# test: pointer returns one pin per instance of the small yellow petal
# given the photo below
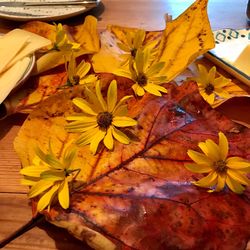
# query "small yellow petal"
(63, 194)
(100, 97)
(208, 181)
(47, 198)
(237, 176)
(39, 188)
(112, 96)
(120, 136)
(96, 140)
(84, 106)
(223, 145)
(33, 171)
(87, 137)
(197, 168)
(237, 163)
(199, 158)
(150, 88)
(108, 139)
(213, 150)
(221, 179)
(211, 74)
(123, 121)
(53, 175)
(234, 185)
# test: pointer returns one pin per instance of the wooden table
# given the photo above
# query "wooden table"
(14, 207)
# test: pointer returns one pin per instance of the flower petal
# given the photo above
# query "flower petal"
(53, 175)
(199, 158)
(223, 145)
(151, 88)
(87, 137)
(80, 127)
(213, 150)
(47, 198)
(108, 139)
(221, 179)
(82, 69)
(123, 121)
(234, 185)
(237, 163)
(96, 140)
(39, 188)
(81, 117)
(84, 106)
(122, 110)
(33, 171)
(239, 177)
(100, 97)
(198, 168)
(138, 89)
(120, 136)
(63, 194)
(211, 74)
(208, 181)
(120, 103)
(112, 96)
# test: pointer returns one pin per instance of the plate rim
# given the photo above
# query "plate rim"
(49, 17)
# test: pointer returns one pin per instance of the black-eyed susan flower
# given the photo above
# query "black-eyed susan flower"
(63, 42)
(144, 74)
(209, 86)
(49, 178)
(135, 41)
(78, 74)
(221, 170)
(100, 119)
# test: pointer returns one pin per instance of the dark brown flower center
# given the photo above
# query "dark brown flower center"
(76, 79)
(209, 89)
(104, 119)
(133, 52)
(220, 166)
(142, 79)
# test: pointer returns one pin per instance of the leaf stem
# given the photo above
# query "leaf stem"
(25, 228)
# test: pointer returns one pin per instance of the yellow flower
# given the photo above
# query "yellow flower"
(78, 74)
(209, 86)
(221, 170)
(100, 119)
(135, 41)
(62, 42)
(50, 177)
(144, 75)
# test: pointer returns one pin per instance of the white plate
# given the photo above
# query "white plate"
(46, 13)
(232, 52)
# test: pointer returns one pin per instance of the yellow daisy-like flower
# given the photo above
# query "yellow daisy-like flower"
(134, 42)
(62, 42)
(209, 86)
(100, 119)
(144, 74)
(221, 170)
(78, 74)
(49, 177)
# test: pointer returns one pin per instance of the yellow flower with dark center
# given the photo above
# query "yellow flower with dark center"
(209, 86)
(221, 170)
(50, 177)
(134, 42)
(145, 75)
(78, 74)
(62, 42)
(100, 120)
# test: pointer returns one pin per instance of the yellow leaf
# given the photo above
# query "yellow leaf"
(185, 38)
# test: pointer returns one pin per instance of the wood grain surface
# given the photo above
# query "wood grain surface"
(14, 208)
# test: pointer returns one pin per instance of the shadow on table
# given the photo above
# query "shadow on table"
(63, 240)
(10, 121)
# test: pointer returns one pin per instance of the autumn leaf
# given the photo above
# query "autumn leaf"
(85, 34)
(140, 195)
(185, 38)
